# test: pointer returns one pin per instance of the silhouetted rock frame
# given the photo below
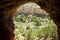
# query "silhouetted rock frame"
(9, 7)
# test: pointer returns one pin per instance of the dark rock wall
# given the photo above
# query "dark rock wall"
(9, 7)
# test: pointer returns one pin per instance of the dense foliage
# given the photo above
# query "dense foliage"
(34, 27)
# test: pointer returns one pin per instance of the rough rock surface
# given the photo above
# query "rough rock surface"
(9, 7)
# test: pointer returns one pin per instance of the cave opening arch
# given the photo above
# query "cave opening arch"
(27, 17)
(9, 7)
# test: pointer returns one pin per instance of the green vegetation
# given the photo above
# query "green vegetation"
(34, 27)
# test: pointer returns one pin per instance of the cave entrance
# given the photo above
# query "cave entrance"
(33, 23)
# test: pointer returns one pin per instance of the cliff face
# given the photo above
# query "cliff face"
(9, 7)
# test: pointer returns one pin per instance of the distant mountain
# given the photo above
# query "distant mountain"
(32, 8)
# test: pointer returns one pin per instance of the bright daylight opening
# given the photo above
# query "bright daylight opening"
(33, 23)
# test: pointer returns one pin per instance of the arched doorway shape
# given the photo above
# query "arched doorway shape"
(9, 7)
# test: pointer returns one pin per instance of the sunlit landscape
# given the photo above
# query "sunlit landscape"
(33, 23)
(34, 27)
